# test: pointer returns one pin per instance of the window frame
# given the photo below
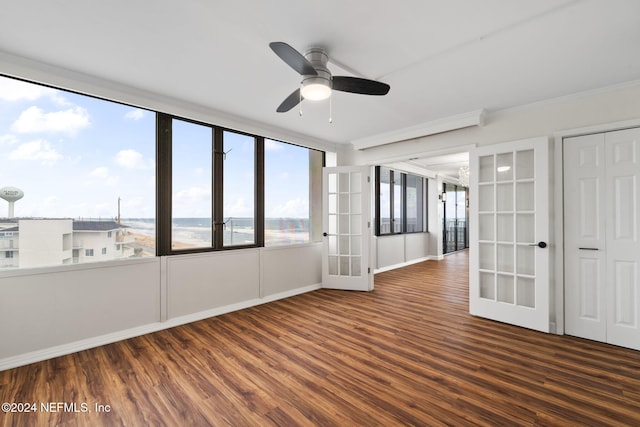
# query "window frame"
(402, 176)
(164, 188)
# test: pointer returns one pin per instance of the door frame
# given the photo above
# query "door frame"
(558, 201)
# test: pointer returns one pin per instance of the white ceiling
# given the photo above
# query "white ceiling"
(440, 58)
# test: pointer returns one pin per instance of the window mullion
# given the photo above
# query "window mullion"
(163, 183)
(259, 192)
(218, 188)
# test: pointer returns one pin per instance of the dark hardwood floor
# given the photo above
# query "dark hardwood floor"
(406, 354)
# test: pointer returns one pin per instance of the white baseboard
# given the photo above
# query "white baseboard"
(73, 347)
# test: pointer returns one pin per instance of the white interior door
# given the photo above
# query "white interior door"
(584, 234)
(509, 232)
(602, 251)
(346, 228)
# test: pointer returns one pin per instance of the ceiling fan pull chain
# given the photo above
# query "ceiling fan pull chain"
(300, 99)
(330, 110)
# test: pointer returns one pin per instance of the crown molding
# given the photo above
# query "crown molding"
(446, 124)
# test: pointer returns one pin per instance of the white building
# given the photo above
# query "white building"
(43, 242)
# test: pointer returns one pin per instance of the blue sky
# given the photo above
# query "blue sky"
(74, 155)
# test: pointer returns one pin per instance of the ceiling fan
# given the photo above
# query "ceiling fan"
(317, 81)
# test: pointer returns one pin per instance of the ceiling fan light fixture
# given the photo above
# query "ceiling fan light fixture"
(316, 89)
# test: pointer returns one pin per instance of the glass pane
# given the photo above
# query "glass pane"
(525, 228)
(191, 176)
(355, 266)
(505, 288)
(504, 197)
(505, 258)
(385, 200)
(356, 202)
(415, 203)
(239, 189)
(356, 224)
(344, 245)
(486, 169)
(485, 198)
(333, 265)
(487, 256)
(355, 245)
(332, 184)
(344, 203)
(343, 182)
(526, 292)
(524, 164)
(333, 224)
(333, 245)
(504, 167)
(487, 286)
(333, 204)
(485, 227)
(526, 260)
(344, 266)
(505, 228)
(289, 174)
(344, 224)
(355, 182)
(74, 160)
(525, 196)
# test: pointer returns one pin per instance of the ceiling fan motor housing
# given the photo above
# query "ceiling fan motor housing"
(318, 58)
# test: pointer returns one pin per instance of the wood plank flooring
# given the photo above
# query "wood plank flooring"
(406, 354)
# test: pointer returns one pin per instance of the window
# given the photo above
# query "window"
(191, 177)
(292, 183)
(414, 203)
(88, 153)
(400, 202)
(8, 254)
(175, 185)
(239, 191)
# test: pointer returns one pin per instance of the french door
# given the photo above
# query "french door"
(602, 246)
(509, 232)
(346, 228)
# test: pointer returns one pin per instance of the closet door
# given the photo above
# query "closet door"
(602, 251)
(623, 248)
(584, 240)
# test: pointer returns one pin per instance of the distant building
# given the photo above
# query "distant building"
(40, 242)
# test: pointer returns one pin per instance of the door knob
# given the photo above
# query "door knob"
(539, 244)
(325, 234)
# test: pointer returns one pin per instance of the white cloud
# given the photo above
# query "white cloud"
(294, 208)
(136, 114)
(193, 194)
(8, 139)
(34, 119)
(270, 145)
(101, 172)
(130, 159)
(36, 150)
(17, 90)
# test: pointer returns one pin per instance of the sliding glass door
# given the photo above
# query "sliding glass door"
(455, 230)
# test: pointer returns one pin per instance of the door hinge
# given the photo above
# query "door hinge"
(368, 270)
(368, 179)
(368, 224)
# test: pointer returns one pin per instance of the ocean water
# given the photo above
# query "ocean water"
(197, 231)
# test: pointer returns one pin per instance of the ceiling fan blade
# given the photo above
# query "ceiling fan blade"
(293, 58)
(290, 102)
(358, 85)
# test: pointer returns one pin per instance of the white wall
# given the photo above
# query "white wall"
(400, 250)
(58, 310)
